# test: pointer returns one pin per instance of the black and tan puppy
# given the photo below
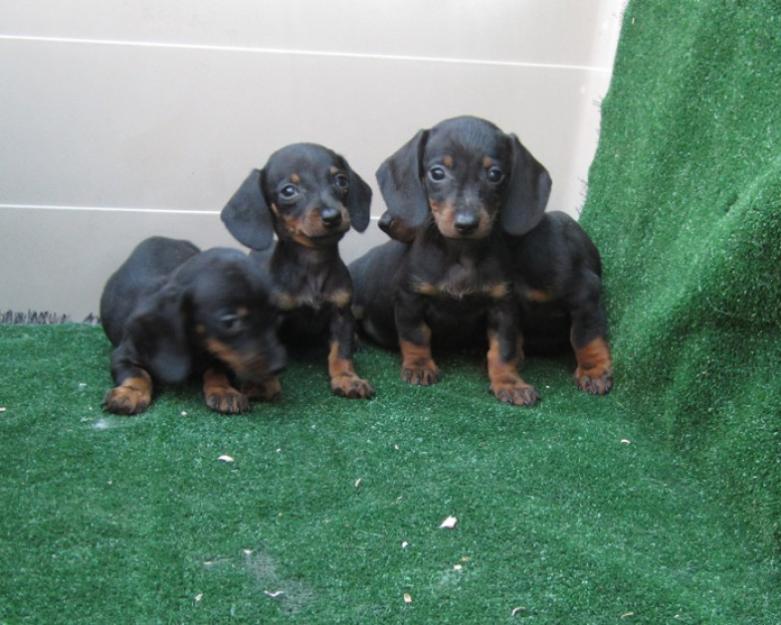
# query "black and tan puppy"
(557, 281)
(469, 175)
(453, 193)
(172, 311)
(310, 197)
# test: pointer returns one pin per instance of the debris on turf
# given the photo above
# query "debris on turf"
(626, 441)
(2, 409)
(226, 458)
(404, 544)
(274, 594)
(449, 523)
(627, 614)
(358, 482)
(407, 598)
(198, 597)
(457, 567)
(515, 611)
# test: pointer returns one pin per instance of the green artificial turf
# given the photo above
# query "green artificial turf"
(112, 519)
(685, 204)
(659, 503)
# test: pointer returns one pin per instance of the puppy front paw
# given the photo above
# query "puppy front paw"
(517, 393)
(226, 400)
(421, 373)
(594, 381)
(127, 400)
(352, 387)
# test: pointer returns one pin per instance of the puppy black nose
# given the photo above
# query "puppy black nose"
(466, 222)
(331, 217)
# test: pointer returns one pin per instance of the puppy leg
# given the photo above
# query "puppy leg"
(594, 373)
(504, 355)
(417, 365)
(220, 396)
(133, 391)
(345, 382)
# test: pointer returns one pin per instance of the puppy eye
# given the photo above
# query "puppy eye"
(495, 174)
(341, 181)
(230, 322)
(288, 191)
(437, 174)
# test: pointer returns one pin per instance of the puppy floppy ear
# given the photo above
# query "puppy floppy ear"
(158, 333)
(528, 193)
(400, 182)
(247, 215)
(359, 200)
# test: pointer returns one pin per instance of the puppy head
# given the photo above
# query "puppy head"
(230, 313)
(306, 193)
(464, 174)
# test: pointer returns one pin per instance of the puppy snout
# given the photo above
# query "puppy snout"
(331, 216)
(466, 222)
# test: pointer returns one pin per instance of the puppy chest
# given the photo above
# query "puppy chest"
(462, 281)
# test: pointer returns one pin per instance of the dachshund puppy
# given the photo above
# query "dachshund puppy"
(557, 282)
(453, 193)
(309, 196)
(172, 311)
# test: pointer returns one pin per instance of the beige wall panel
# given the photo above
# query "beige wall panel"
(570, 32)
(59, 260)
(103, 125)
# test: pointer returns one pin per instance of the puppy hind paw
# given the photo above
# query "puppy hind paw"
(269, 390)
(226, 400)
(594, 382)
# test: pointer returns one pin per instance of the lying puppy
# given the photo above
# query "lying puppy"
(453, 193)
(310, 197)
(171, 311)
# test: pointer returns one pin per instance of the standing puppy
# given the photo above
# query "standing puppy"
(310, 197)
(171, 311)
(453, 193)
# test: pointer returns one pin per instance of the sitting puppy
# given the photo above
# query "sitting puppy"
(171, 311)
(310, 197)
(453, 193)
(557, 281)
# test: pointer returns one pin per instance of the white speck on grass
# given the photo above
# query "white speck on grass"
(102, 424)
(515, 611)
(626, 441)
(82, 386)
(226, 458)
(184, 413)
(2, 408)
(198, 597)
(404, 544)
(449, 523)
(358, 482)
(274, 594)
